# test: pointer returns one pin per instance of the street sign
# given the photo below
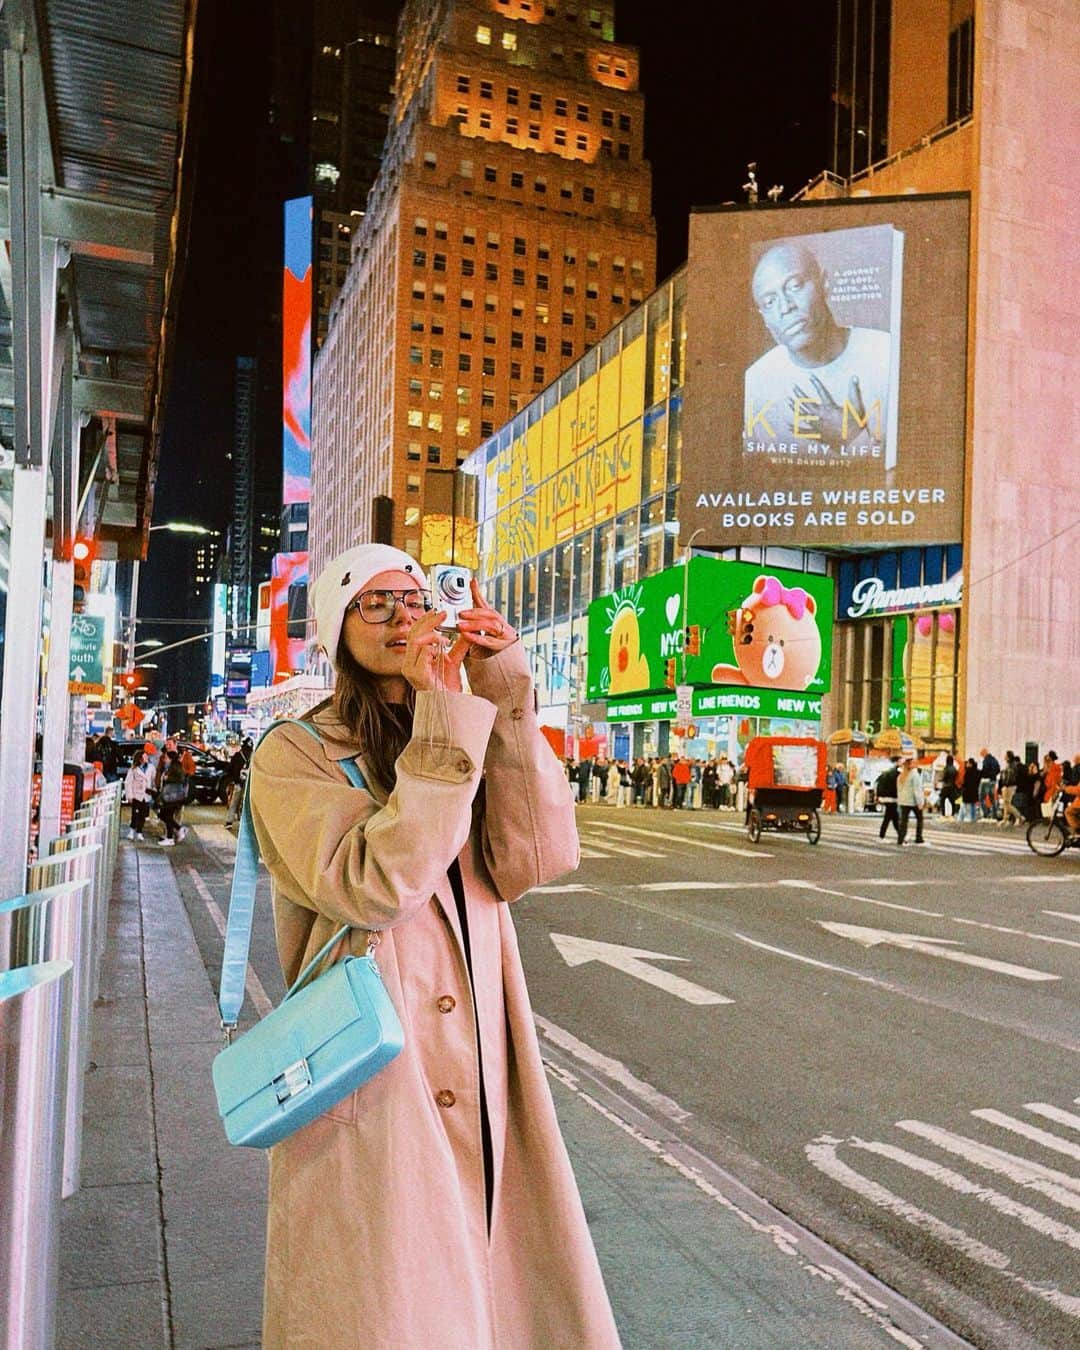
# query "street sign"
(684, 703)
(86, 668)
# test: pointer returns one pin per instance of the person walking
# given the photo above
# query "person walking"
(988, 776)
(584, 778)
(949, 794)
(171, 795)
(137, 792)
(1010, 814)
(885, 793)
(710, 784)
(436, 1206)
(909, 796)
(969, 791)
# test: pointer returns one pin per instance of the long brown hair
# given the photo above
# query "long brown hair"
(381, 728)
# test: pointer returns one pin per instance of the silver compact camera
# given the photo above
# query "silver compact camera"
(450, 591)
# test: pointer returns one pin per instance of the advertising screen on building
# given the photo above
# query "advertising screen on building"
(763, 630)
(296, 352)
(826, 391)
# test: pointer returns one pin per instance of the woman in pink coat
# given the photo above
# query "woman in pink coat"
(436, 1206)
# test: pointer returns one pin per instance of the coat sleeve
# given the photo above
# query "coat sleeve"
(529, 831)
(325, 847)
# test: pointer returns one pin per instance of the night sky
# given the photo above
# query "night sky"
(724, 84)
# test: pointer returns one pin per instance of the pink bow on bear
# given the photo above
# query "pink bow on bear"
(770, 592)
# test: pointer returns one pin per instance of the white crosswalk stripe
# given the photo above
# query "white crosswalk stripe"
(1029, 1175)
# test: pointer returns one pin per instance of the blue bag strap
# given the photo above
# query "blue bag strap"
(242, 897)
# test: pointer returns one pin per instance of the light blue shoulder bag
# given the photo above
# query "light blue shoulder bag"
(326, 1039)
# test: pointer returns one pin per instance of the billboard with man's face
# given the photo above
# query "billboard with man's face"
(826, 388)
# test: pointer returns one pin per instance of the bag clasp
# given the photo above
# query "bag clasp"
(292, 1081)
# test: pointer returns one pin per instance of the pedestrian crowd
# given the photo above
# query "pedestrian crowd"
(668, 782)
(973, 789)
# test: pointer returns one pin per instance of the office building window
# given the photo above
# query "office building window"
(464, 426)
(515, 370)
(488, 365)
(430, 159)
(582, 112)
(464, 363)
(624, 122)
(490, 176)
(463, 395)
(567, 319)
(539, 343)
(468, 267)
(607, 117)
(509, 42)
(519, 247)
(419, 257)
(487, 398)
(412, 483)
(483, 35)
(538, 374)
(534, 131)
(491, 304)
(517, 178)
(435, 390)
(485, 124)
(560, 136)
(541, 281)
(421, 226)
(511, 96)
(560, 107)
(624, 150)
(487, 89)
(413, 450)
(518, 277)
(432, 456)
(438, 262)
(517, 340)
(566, 348)
(511, 126)
(416, 356)
(588, 194)
(535, 101)
(463, 84)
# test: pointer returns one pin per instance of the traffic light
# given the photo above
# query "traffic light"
(747, 627)
(82, 555)
(130, 679)
(669, 673)
(693, 639)
(732, 621)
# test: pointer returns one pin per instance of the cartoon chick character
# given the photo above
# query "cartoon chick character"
(629, 668)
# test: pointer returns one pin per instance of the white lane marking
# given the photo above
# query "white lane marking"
(621, 850)
(1017, 932)
(593, 853)
(1054, 1113)
(822, 1154)
(572, 888)
(962, 1185)
(1061, 914)
(252, 983)
(801, 885)
(694, 843)
(902, 881)
(613, 1069)
(1032, 1132)
(1061, 1187)
(810, 961)
(792, 838)
(932, 946)
(706, 885)
(577, 951)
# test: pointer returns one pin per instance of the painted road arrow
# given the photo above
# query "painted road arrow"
(576, 951)
(931, 946)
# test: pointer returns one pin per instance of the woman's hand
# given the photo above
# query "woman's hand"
(484, 630)
(430, 661)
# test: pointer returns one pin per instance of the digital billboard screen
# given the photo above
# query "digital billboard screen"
(762, 629)
(826, 392)
(296, 352)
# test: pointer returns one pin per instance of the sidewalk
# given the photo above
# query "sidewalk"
(163, 1245)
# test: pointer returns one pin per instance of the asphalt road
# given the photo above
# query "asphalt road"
(881, 1042)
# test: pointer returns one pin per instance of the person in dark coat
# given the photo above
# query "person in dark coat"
(969, 791)
(885, 793)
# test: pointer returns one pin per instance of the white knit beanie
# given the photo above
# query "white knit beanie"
(343, 578)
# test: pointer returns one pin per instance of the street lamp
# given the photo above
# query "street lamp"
(174, 527)
(686, 593)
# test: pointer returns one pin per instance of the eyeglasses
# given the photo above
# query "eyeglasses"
(380, 606)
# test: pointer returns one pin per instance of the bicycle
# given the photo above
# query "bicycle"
(1052, 836)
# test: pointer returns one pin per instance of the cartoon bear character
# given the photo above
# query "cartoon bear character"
(777, 643)
(629, 668)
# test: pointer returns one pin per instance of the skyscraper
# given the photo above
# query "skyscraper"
(509, 228)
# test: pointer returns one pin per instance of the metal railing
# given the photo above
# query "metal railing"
(34, 1019)
(52, 939)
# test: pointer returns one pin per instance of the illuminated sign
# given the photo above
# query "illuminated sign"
(778, 639)
(87, 654)
(288, 600)
(296, 352)
(219, 617)
(871, 596)
(567, 466)
(826, 393)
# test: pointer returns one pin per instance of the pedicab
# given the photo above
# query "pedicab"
(785, 785)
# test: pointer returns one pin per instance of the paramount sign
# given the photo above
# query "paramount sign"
(870, 596)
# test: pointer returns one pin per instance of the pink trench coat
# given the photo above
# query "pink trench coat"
(377, 1232)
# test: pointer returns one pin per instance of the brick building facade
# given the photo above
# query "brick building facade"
(509, 229)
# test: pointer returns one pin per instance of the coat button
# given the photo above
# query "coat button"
(517, 714)
(465, 765)
(447, 1003)
(445, 1099)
